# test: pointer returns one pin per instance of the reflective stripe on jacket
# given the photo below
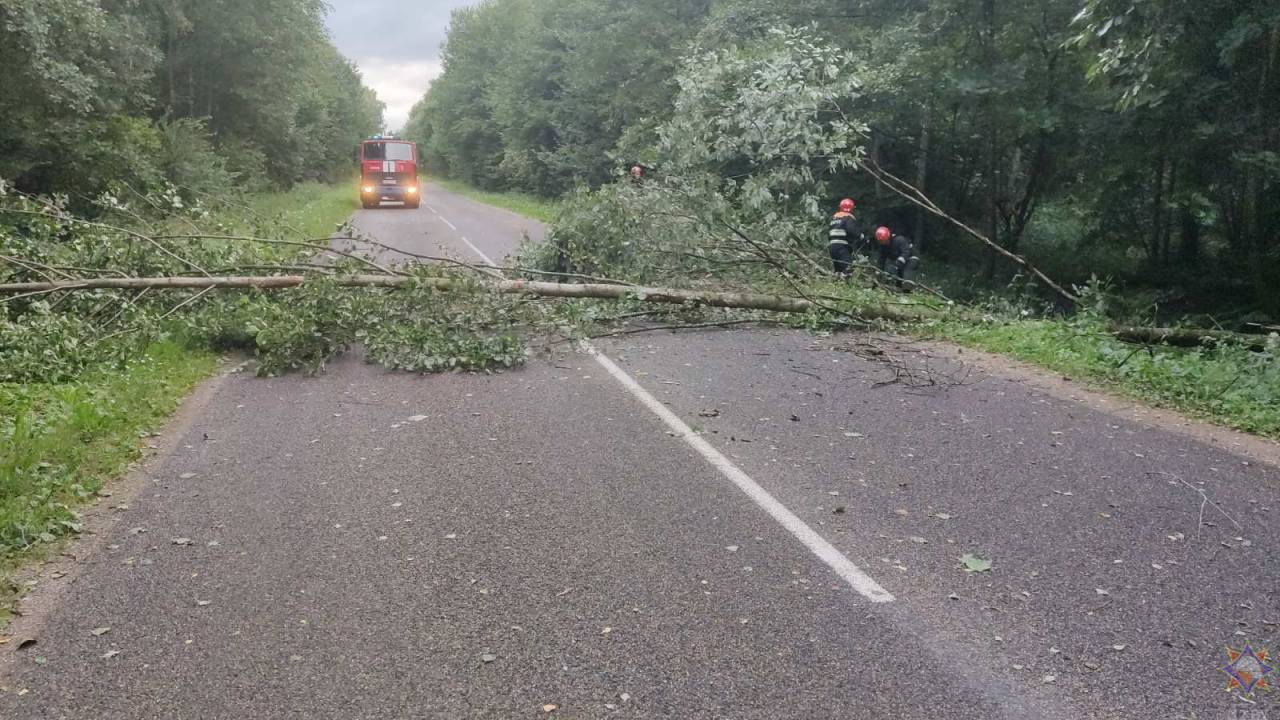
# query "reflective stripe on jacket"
(843, 228)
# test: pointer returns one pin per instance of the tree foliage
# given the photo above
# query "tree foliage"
(746, 153)
(195, 93)
(1127, 138)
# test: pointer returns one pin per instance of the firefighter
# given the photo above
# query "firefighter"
(897, 255)
(842, 233)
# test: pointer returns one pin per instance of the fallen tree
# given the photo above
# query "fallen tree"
(597, 291)
(1176, 337)
(1187, 337)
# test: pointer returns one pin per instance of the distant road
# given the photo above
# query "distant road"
(726, 524)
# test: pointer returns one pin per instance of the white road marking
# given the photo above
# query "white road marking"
(477, 251)
(451, 225)
(825, 551)
(433, 210)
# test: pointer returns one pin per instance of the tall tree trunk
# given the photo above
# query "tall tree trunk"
(1259, 212)
(171, 52)
(1157, 210)
(922, 173)
(992, 164)
(874, 152)
(1189, 239)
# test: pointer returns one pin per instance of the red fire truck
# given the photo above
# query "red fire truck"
(388, 172)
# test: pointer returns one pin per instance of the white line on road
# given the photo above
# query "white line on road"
(477, 251)
(826, 552)
(451, 225)
(433, 210)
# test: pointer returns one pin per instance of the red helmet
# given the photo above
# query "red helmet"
(883, 235)
(847, 205)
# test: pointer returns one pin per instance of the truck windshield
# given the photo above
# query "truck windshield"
(388, 151)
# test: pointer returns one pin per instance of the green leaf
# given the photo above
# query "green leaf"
(974, 564)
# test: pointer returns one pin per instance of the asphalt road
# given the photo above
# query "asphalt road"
(727, 524)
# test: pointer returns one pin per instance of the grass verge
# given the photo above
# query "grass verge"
(1228, 385)
(313, 210)
(531, 206)
(61, 444)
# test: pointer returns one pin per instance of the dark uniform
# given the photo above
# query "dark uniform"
(845, 230)
(897, 257)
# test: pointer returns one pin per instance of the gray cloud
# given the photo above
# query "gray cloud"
(396, 43)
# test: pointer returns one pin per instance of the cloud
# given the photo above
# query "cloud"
(396, 43)
(399, 83)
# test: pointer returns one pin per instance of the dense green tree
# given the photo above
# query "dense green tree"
(195, 92)
(76, 71)
(1135, 140)
(536, 95)
(1197, 90)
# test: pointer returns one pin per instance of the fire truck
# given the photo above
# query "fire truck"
(389, 172)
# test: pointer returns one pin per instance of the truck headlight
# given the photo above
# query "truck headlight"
(368, 189)
(411, 190)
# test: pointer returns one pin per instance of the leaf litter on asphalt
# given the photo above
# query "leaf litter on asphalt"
(974, 564)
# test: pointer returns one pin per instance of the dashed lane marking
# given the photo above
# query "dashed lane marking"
(477, 251)
(825, 551)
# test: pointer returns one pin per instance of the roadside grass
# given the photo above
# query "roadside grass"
(313, 210)
(1227, 385)
(531, 206)
(61, 444)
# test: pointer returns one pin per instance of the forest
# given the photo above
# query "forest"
(202, 96)
(1129, 144)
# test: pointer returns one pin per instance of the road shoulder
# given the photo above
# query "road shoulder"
(1253, 447)
(51, 581)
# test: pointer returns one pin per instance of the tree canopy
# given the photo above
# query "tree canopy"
(1110, 138)
(198, 93)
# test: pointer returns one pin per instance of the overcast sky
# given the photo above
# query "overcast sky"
(397, 45)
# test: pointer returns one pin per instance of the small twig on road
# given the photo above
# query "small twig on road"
(815, 376)
(1204, 501)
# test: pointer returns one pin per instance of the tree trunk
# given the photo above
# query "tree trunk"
(1258, 194)
(1157, 212)
(922, 174)
(992, 164)
(1186, 337)
(1189, 239)
(667, 296)
(172, 53)
(874, 153)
